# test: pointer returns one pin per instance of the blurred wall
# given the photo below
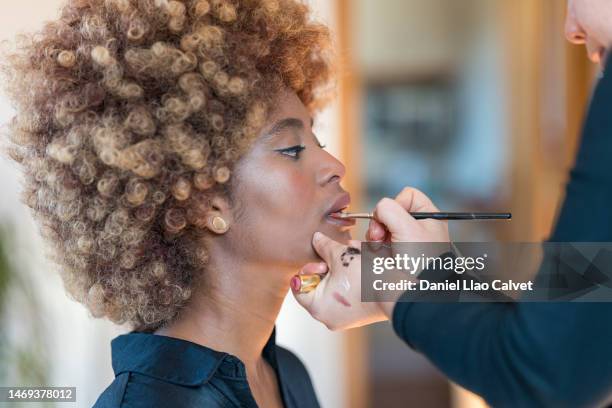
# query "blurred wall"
(402, 35)
(424, 46)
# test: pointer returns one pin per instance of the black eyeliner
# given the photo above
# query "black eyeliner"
(297, 149)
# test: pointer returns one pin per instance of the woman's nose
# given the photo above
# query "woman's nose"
(330, 170)
(573, 32)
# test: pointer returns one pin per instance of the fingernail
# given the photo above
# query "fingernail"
(375, 245)
(316, 236)
(322, 267)
(296, 283)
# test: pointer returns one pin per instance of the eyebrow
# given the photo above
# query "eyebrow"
(287, 123)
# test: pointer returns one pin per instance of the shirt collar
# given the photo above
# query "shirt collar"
(176, 360)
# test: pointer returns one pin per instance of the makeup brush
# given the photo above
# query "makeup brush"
(437, 215)
(307, 283)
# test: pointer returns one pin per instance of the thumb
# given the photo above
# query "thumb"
(395, 218)
(327, 248)
(313, 267)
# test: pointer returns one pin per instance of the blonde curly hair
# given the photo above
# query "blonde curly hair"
(131, 114)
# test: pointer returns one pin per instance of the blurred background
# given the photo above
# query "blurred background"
(478, 103)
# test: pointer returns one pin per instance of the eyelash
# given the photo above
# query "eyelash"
(295, 150)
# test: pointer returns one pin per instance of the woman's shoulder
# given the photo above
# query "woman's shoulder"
(134, 390)
(160, 371)
(113, 394)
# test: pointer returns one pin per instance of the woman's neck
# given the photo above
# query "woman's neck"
(234, 309)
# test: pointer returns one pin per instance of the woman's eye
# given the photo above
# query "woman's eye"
(293, 151)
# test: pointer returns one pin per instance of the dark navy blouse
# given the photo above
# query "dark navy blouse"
(160, 371)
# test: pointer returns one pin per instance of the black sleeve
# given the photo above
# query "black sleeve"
(586, 214)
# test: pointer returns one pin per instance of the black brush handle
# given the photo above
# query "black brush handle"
(461, 216)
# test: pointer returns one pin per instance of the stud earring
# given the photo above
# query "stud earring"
(219, 225)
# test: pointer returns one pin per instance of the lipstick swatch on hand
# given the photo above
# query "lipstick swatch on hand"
(341, 299)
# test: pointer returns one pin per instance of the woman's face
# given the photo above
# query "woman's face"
(286, 185)
(588, 22)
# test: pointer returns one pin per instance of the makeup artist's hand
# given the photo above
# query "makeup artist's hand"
(336, 301)
(393, 223)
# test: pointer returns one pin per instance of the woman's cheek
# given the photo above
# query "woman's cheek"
(298, 181)
(300, 192)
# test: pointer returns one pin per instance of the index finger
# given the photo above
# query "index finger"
(415, 200)
(312, 268)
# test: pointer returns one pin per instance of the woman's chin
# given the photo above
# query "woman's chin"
(338, 233)
(341, 234)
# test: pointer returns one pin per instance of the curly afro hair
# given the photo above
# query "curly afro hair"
(131, 114)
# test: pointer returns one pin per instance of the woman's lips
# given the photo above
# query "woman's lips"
(339, 205)
(334, 218)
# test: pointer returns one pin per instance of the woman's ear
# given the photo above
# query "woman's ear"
(218, 218)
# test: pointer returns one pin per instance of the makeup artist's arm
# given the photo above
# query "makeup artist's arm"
(534, 354)
(585, 215)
